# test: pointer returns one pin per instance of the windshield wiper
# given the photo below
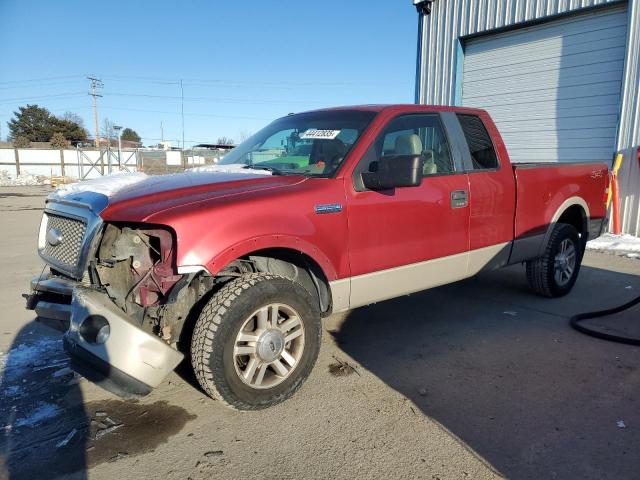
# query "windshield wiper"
(273, 170)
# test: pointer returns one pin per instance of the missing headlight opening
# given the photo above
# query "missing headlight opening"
(136, 268)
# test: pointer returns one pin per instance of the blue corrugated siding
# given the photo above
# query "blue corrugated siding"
(439, 60)
(552, 89)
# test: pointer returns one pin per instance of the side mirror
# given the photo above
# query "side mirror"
(393, 171)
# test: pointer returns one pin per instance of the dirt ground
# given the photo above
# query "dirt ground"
(479, 379)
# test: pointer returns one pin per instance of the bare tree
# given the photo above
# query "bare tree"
(73, 117)
(225, 141)
(108, 131)
(244, 134)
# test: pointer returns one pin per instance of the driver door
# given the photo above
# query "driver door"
(408, 239)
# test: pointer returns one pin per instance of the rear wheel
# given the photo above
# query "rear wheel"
(556, 271)
(256, 341)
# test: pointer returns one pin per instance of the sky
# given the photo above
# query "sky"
(242, 63)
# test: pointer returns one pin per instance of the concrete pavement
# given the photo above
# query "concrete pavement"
(479, 379)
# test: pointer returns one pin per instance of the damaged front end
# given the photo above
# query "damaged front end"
(117, 291)
(134, 267)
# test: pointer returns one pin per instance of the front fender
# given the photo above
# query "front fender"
(215, 233)
(245, 247)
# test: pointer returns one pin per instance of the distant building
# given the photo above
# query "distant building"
(214, 146)
(113, 143)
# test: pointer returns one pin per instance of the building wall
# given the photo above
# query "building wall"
(440, 59)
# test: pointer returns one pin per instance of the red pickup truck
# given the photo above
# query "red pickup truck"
(317, 213)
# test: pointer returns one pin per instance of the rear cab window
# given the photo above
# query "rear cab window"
(483, 153)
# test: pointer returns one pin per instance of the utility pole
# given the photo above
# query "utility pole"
(161, 132)
(117, 128)
(182, 110)
(96, 84)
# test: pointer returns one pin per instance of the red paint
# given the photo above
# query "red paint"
(492, 197)
(409, 226)
(542, 191)
(156, 276)
(220, 217)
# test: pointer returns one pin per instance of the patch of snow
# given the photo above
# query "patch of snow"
(110, 184)
(62, 372)
(26, 355)
(14, 391)
(626, 245)
(10, 180)
(106, 185)
(231, 168)
(67, 439)
(42, 412)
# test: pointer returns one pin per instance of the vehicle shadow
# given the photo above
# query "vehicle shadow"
(43, 424)
(502, 370)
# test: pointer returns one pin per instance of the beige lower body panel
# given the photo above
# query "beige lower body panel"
(394, 282)
(483, 257)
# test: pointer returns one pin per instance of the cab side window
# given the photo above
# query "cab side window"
(483, 155)
(420, 134)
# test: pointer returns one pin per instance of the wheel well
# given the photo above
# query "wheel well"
(295, 266)
(576, 216)
(288, 263)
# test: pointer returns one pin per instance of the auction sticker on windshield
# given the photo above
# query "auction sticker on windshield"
(316, 134)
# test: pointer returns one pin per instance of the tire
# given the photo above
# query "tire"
(236, 313)
(542, 273)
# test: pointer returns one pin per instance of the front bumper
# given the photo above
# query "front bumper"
(102, 373)
(50, 298)
(130, 362)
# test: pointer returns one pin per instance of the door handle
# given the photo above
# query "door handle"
(459, 199)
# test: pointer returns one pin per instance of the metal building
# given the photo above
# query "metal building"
(561, 78)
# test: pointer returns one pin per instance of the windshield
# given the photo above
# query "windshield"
(310, 144)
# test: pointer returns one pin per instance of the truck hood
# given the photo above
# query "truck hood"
(154, 194)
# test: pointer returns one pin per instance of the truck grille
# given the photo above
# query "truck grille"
(71, 233)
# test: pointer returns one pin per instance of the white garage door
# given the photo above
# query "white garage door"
(553, 89)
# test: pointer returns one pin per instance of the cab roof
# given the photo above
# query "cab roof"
(400, 108)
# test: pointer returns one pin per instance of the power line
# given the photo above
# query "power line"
(259, 83)
(39, 79)
(44, 84)
(40, 97)
(143, 110)
(215, 99)
(187, 114)
(201, 81)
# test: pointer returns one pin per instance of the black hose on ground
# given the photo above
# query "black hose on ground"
(576, 319)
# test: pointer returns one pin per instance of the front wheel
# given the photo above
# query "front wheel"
(256, 341)
(556, 271)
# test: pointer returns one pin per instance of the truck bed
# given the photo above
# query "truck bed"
(543, 192)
